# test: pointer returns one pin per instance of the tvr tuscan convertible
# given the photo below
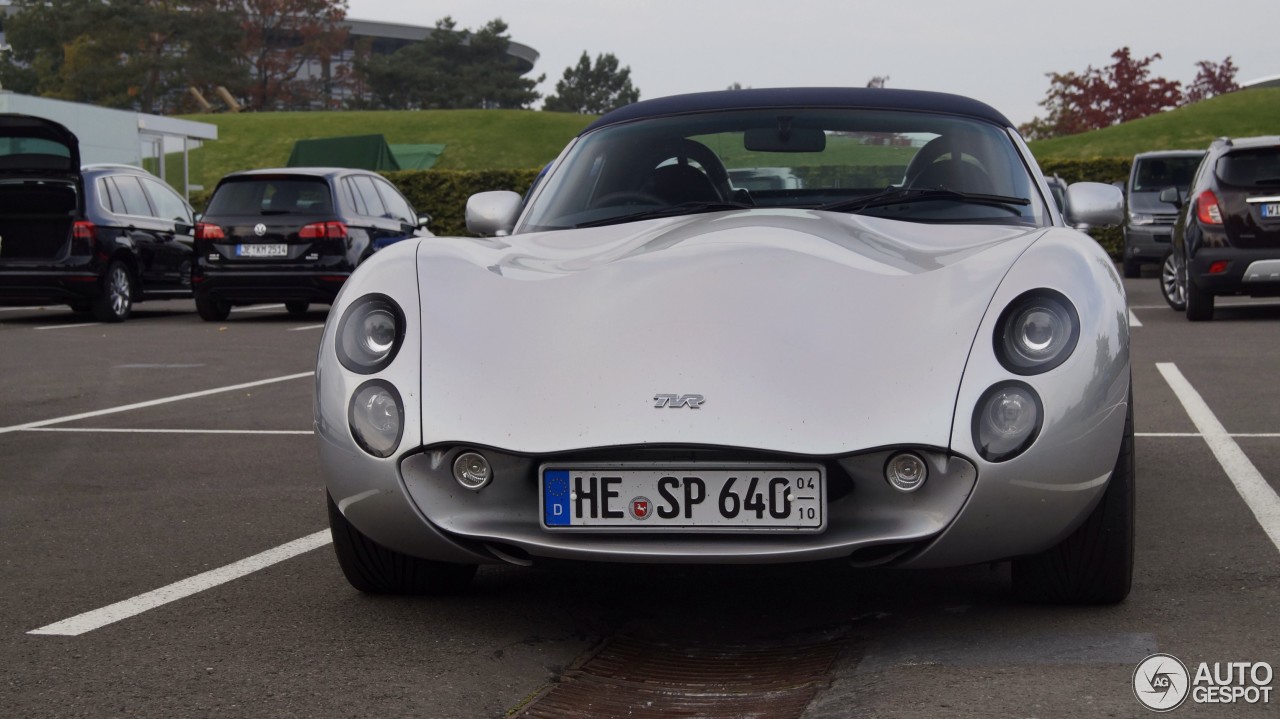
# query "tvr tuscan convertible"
(757, 326)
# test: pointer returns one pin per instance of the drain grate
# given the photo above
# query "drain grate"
(631, 677)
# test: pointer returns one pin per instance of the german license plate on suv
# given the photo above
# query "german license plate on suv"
(683, 497)
(262, 250)
(1271, 210)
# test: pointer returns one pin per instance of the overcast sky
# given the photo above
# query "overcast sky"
(997, 52)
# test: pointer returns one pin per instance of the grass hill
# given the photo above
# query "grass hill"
(1238, 114)
(473, 139)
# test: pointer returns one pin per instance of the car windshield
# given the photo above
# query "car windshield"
(1250, 168)
(1154, 174)
(911, 166)
(271, 196)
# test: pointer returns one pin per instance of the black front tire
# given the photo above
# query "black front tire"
(1094, 564)
(115, 297)
(374, 569)
(296, 307)
(1199, 303)
(212, 309)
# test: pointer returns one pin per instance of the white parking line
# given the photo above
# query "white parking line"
(151, 403)
(67, 327)
(307, 327)
(1133, 320)
(1253, 488)
(167, 431)
(28, 309)
(1246, 435)
(134, 606)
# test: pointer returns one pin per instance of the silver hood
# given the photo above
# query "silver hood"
(806, 332)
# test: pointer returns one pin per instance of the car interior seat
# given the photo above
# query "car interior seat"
(682, 182)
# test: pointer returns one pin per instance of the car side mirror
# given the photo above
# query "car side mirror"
(1171, 196)
(493, 214)
(423, 220)
(1094, 204)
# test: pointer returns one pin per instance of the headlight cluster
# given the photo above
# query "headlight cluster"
(1141, 218)
(376, 417)
(370, 333)
(1037, 332)
(369, 336)
(1007, 421)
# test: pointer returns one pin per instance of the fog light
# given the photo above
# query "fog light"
(906, 472)
(472, 470)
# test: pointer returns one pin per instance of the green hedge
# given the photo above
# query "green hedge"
(443, 193)
(1093, 169)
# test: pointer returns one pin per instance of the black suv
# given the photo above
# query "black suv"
(97, 238)
(293, 235)
(1227, 240)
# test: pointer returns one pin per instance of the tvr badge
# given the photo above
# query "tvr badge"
(674, 401)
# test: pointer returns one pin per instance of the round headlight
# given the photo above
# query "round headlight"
(370, 333)
(1036, 332)
(1006, 421)
(376, 417)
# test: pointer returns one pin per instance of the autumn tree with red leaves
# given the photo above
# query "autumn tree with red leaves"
(1213, 79)
(1101, 97)
(289, 45)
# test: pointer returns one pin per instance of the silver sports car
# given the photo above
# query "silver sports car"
(756, 326)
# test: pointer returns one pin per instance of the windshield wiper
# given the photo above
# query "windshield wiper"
(920, 194)
(684, 208)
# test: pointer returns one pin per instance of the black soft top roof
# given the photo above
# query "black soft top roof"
(831, 97)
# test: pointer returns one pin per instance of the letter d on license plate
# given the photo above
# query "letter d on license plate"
(683, 497)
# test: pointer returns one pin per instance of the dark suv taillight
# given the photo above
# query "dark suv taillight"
(323, 231)
(83, 236)
(206, 231)
(1208, 211)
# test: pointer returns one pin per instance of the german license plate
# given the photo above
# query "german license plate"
(662, 497)
(262, 250)
(1271, 209)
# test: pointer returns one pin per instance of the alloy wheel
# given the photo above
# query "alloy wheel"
(118, 290)
(1173, 280)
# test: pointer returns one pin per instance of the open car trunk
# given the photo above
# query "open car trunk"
(36, 218)
(39, 187)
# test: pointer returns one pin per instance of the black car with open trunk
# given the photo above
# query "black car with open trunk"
(293, 235)
(98, 238)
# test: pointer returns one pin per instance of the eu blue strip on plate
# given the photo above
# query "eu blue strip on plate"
(555, 491)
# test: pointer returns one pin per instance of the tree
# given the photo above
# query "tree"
(593, 89)
(878, 81)
(135, 54)
(450, 69)
(288, 45)
(1101, 97)
(1212, 79)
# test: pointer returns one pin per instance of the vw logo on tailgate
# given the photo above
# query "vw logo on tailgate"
(259, 229)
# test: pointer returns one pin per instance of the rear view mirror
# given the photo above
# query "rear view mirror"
(784, 139)
(1171, 196)
(493, 214)
(1094, 204)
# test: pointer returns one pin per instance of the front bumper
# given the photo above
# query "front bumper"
(1147, 243)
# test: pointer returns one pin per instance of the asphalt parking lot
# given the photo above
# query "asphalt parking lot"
(162, 519)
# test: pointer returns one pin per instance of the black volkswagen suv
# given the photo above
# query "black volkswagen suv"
(1227, 240)
(98, 238)
(293, 235)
